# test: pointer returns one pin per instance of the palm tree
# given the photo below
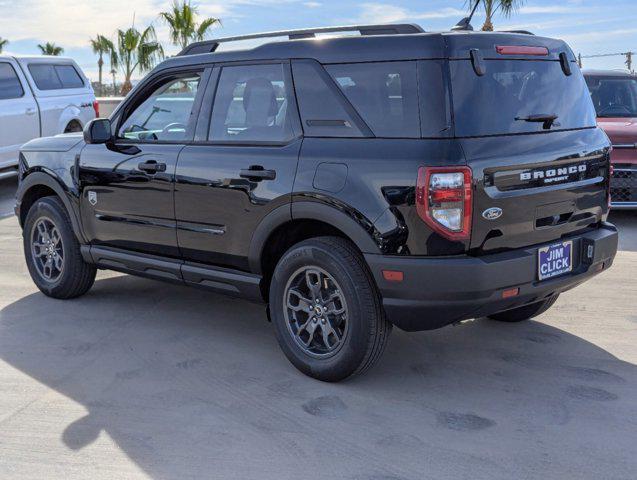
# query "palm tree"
(3, 43)
(182, 21)
(103, 46)
(507, 7)
(137, 51)
(50, 48)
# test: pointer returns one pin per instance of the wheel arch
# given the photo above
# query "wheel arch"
(39, 184)
(292, 223)
(70, 114)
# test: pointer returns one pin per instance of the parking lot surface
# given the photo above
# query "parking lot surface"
(140, 379)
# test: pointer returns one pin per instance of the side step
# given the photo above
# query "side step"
(221, 280)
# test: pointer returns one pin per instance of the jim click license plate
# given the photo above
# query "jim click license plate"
(554, 260)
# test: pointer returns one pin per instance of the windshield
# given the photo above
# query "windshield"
(518, 96)
(613, 96)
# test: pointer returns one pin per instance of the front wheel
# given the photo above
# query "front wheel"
(526, 312)
(326, 310)
(52, 251)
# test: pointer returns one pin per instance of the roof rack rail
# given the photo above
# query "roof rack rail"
(523, 32)
(209, 46)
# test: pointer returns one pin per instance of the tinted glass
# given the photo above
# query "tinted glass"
(435, 110)
(69, 76)
(514, 89)
(322, 113)
(251, 105)
(164, 115)
(384, 94)
(613, 96)
(45, 77)
(10, 86)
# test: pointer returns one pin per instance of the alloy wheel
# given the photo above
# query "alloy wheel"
(47, 250)
(315, 312)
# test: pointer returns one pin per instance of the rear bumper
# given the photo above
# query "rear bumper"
(438, 291)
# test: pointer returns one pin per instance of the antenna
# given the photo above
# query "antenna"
(465, 23)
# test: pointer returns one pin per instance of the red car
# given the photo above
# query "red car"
(614, 95)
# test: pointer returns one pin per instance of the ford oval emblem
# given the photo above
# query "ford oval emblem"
(492, 213)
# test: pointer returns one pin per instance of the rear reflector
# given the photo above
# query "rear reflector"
(393, 275)
(511, 292)
(96, 108)
(521, 50)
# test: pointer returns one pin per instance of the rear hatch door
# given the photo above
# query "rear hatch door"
(526, 123)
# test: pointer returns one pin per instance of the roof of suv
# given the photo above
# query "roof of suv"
(393, 47)
(608, 73)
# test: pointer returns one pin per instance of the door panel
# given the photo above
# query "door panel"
(127, 184)
(19, 121)
(124, 206)
(243, 166)
(217, 209)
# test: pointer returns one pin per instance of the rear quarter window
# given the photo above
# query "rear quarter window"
(511, 90)
(55, 77)
(385, 95)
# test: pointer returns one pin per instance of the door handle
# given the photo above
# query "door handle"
(257, 173)
(30, 111)
(151, 166)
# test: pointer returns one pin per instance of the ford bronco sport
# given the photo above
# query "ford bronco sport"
(352, 183)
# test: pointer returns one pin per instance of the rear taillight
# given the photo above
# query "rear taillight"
(443, 200)
(96, 107)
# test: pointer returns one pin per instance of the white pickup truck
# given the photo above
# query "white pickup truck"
(40, 97)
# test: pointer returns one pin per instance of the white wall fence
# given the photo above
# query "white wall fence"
(108, 104)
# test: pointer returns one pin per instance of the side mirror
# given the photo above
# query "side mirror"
(98, 131)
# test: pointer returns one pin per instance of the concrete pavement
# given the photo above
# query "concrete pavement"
(140, 379)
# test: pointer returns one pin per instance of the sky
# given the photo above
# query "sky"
(589, 26)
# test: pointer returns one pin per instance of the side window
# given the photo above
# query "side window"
(251, 105)
(10, 86)
(385, 94)
(69, 76)
(322, 114)
(165, 113)
(45, 77)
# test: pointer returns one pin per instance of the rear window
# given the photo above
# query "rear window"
(55, 77)
(514, 90)
(385, 94)
(10, 86)
(613, 96)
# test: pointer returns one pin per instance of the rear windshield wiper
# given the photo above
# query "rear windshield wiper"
(546, 119)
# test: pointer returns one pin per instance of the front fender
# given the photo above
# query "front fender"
(50, 180)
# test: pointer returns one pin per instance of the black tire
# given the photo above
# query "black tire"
(346, 279)
(75, 277)
(526, 312)
(73, 127)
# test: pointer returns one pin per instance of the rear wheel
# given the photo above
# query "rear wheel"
(526, 312)
(326, 310)
(53, 253)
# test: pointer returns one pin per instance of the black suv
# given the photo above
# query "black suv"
(351, 183)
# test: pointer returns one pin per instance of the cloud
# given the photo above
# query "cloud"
(313, 4)
(387, 13)
(72, 24)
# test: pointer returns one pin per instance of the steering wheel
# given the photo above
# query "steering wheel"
(173, 126)
(614, 108)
